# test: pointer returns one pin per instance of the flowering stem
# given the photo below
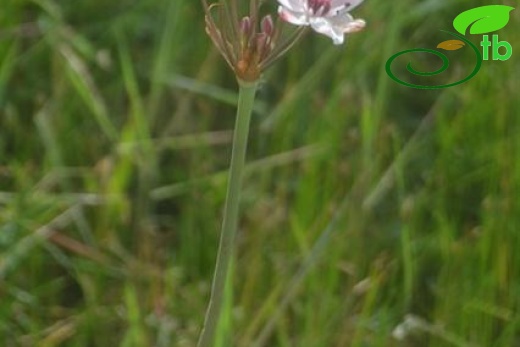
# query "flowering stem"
(246, 99)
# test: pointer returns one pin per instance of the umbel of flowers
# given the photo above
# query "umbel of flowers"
(250, 43)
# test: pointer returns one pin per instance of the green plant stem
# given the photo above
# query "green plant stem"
(246, 99)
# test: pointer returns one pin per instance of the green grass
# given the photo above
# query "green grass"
(364, 200)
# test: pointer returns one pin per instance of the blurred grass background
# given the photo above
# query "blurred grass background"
(373, 214)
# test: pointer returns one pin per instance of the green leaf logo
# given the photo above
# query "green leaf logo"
(482, 20)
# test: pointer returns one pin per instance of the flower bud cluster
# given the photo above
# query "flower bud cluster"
(255, 47)
(248, 43)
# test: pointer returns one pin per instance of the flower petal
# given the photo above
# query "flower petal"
(337, 6)
(294, 5)
(293, 17)
(323, 26)
(336, 27)
(355, 26)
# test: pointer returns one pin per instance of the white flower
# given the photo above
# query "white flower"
(327, 17)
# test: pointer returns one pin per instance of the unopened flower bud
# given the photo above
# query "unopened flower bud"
(245, 26)
(267, 25)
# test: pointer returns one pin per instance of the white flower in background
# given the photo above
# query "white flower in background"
(327, 17)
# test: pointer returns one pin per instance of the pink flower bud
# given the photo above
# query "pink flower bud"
(245, 26)
(267, 25)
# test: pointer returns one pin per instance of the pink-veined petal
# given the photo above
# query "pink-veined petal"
(294, 5)
(324, 26)
(341, 20)
(337, 6)
(296, 18)
(336, 27)
(346, 23)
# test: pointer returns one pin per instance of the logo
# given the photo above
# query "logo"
(480, 21)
